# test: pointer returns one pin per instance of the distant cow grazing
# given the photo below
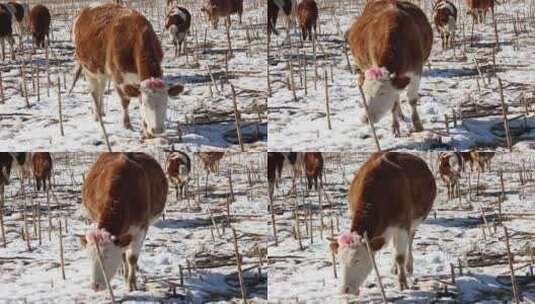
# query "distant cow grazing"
(287, 7)
(6, 32)
(40, 25)
(481, 159)
(5, 173)
(391, 194)
(177, 25)
(478, 9)
(445, 18)
(124, 193)
(275, 164)
(123, 46)
(390, 43)
(313, 164)
(211, 160)
(216, 9)
(449, 169)
(42, 170)
(178, 168)
(307, 16)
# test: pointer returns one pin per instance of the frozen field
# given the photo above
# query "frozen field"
(187, 236)
(202, 117)
(452, 234)
(451, 84)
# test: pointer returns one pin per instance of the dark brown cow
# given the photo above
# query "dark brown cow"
(42, 170)
(390, 43)
(124, 193)
(391, 194)
(6, 32)
(117, 42)
(307, 16)
(449, 169)
(478, 9)
(445, 18)
(313, 165)
(40, 25)
(275, 164)
(216, 9)
(178, 168)
(465, 158)
(177, 26)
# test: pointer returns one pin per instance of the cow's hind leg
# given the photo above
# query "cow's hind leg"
(409, 264)
(401, 241)
(97, 92)
(2, 42)
(412, 94)
(396, 113)
(132, 254)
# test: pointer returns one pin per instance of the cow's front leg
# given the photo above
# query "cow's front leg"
(125, 102)
(412, 94)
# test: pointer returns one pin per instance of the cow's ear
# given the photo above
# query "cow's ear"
(400, 82)
(175, 89)
(334, 246)
(123, 240)
(131, 90)
(83, 240)
(377, 243)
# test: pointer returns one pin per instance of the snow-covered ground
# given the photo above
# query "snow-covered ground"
(450, 83)
(452, 234)
(184, 235)
(197, 119)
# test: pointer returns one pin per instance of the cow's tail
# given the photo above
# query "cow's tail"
(76, 76)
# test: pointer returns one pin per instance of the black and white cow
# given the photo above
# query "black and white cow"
(177, 26)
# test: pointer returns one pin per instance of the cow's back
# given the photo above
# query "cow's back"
(387, 25)
(390, 189)
(106, 36)
(124, 189)
(42, 164)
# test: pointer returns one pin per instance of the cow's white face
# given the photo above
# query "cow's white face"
(154, 99)
(355, 262)
(111, 251)
(380, 93)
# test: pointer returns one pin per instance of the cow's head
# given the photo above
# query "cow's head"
(354, 259)
(381, 89)
(153, 94)
(111, 251)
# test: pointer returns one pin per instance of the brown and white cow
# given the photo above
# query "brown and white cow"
(117, 42)
(42, 169)
(449, 169)
(481, 159)
(445, 18)
(211, 160)
(478, 9)
(391, 194)
(177, 26)
(313, 165)
(285, 7)
(6, 31)
(307, 17)
(178, 168)
(390, 43)
(124, 193)
(40, 25)
(216, 9)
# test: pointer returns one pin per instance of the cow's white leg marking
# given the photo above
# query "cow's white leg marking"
(401, 241)
(412, 95)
